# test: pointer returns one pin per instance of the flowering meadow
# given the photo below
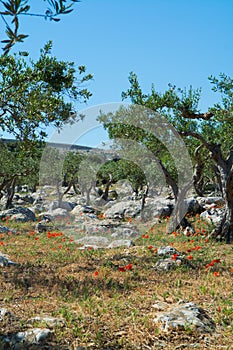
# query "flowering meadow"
(105, 296)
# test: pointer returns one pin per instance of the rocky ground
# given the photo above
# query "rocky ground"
(104, 277)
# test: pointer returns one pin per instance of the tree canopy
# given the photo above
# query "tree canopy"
(34, 95)
(210, 131)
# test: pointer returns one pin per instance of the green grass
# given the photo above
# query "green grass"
(106, 308)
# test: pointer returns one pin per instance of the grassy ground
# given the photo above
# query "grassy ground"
(106, 306)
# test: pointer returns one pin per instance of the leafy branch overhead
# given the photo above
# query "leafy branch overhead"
(11, 10)
(38, 94)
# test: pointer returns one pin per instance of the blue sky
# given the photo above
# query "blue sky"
(163, 41)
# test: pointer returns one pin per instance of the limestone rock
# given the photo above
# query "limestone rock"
(5, 314)
(123, 209)
(210, 200)
(121, 243)
(63, 205)
(91, 241)
(32, 336)
(4, 229)
(213, 215)
(18, 214)
(167, 264)
(5, 260)
(49, 321)
(167, 251)
(182, 316)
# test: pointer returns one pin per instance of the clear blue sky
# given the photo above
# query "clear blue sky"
(162, 41)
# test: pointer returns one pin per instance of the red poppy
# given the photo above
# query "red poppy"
(96, 273)
(210, 264)
(129, 267)
(121, 269)
(174, 256)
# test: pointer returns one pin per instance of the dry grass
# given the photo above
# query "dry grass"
(105, 308)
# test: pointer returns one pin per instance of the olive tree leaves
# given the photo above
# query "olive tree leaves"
(13, 9)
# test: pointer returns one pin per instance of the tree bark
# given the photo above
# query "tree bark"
(198, 180)
(178, 215)
(225, 168)
(10, 193)
(224, 229)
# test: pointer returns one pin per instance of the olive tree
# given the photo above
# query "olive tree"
(38, 94)
(15, 9)
(212, 130)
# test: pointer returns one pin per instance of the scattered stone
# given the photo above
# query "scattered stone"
(192, 205)
(32, 336)
(69, 206)
(47, 320)
(121, 243)
(58, 214)
(19, 214)
(100, 242)
(43, 226)
(182, 316)
(210, 200)
(27, 198)
(167, 251)
(5, 260)
(160, 306)
(4, 229)
(89, 247)
(168, 264)
(123, 209)
(188, 231)
(213, 214)
(5, 314)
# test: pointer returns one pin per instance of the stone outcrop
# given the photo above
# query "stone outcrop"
(18, 214)
(183, 316)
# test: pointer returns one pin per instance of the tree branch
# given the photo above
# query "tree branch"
(215, 149)
(191, 115)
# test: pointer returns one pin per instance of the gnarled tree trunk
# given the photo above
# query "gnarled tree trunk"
(224, 230)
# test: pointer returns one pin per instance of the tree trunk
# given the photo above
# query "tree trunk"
(2, 186)
(178, 219)
(224, 229)
(59, 194)
(198, 181)
(108, 184)
(34, 188)
(10, 193)
(178, 215)
(144, 195)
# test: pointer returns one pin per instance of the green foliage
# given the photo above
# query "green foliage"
(51, 165)
(71, 165)
(146, 149)
(121, 169)
(33, 95)
(17, 8)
